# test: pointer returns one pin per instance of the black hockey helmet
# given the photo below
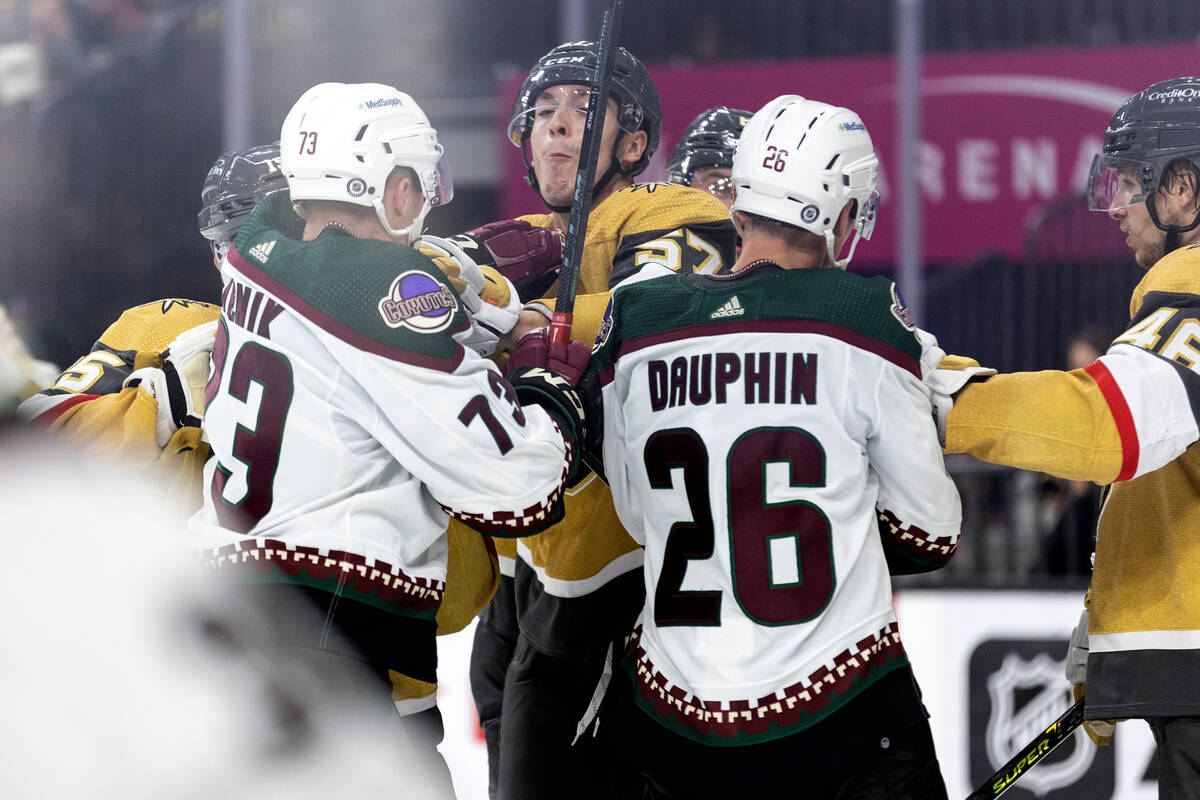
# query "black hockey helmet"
(638, 104)
(232, 188)
(709, 141)
(1153, 129)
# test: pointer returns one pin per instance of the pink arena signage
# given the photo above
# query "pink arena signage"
(1002, 133)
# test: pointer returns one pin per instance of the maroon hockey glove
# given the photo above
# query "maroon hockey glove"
(526, 255)
(535, 349)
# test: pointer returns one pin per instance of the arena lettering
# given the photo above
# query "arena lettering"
(244, 306)
(398, 310)
(987, 170)
(779, 378)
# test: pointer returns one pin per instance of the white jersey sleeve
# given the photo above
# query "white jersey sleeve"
(920, 514)
(480, 454)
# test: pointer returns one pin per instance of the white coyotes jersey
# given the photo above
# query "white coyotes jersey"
(344, 419)
(765, 444)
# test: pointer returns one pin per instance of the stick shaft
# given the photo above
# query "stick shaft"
(585, 176)
(1059, 731)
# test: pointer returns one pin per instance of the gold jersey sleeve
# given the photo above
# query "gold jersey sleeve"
(88, 406)
(1081, 424)
(472, 575)
(1056, 422)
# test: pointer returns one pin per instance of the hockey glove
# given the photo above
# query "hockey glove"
(548, 374)
(945, 376)
(490, 299)
(178, 386)
(1099, 731)
(528, 256)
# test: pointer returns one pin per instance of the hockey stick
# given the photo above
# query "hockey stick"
(589, 154)
(1059, 731)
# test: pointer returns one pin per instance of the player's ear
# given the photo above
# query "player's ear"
(740, 221)
(401, 199)
(631, 147)
(843, 222)
(1188, 190)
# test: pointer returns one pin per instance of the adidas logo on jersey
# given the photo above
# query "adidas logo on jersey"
(262, 251)
(733, 308)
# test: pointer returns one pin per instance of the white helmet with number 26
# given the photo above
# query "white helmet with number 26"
(341, 141)
(800, 161)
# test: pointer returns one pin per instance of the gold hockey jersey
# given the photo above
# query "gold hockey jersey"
(588, 559)
(89, 407)
(1130, 419)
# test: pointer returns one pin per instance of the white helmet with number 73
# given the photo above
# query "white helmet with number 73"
(341, 141)
(800, 162)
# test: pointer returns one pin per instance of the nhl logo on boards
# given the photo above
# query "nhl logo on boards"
(418, 302)
(1024, 688)
(356, 187)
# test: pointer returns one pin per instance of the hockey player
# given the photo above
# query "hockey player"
(762, 429)
(1128, 419)
(347, 421)
(576, 588)
(703, 156)
(138, 394)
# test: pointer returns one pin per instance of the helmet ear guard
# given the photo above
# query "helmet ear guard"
(341, 142)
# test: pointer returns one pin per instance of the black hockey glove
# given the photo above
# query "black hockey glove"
(528, 256)
(547, 374)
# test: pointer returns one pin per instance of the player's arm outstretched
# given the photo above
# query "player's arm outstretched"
(919, 509)
(1128, 413)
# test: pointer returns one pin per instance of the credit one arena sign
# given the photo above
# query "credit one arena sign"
(1002, 133)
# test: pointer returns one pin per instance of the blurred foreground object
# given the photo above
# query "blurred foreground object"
(139, 676)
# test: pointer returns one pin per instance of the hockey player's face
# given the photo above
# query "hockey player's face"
(1143, 237)
(557, 136)
(716, 181)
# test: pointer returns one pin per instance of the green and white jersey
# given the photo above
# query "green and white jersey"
(768, 438)
(347, 423)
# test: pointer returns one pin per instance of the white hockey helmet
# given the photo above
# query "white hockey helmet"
(341, 141)
(800, 161)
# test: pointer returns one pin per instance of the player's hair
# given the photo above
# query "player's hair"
(315, 209)
(792, 235)
(1181, 169)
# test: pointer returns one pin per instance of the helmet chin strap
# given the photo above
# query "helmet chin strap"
(831, 244)
(412, 232)
(1174, 240)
